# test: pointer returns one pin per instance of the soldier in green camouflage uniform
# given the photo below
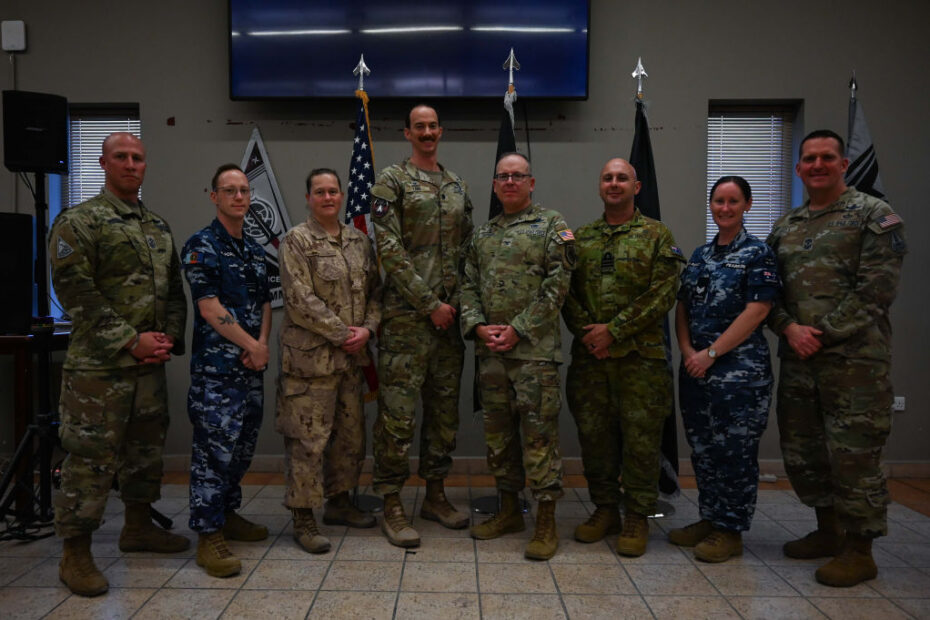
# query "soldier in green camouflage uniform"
(840, 256)
(422, 219)
(116, 271)
(517, 273)
(619, 382)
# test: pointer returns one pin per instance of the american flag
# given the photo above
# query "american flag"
(361, 172)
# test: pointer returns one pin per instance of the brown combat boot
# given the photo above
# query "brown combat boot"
(395, 525)
(690, 535)
(306, 532)
(545, 541)
(634, 536)
(77, 569)
(214, 556)
(140, 534)
(437, 508)
(509, 519)
(239, 528)
(340, 510)
(853, 565)
(603, 521)
(719, 546)
(824, 542)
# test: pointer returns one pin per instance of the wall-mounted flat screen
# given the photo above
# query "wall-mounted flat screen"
(282, 49)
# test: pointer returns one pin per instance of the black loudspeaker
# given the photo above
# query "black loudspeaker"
(35, 132)
(16, 278)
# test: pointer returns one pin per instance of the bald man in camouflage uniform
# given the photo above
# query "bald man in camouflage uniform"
(619, 382)
(115, 270)
(422, 219)
(840, 257)
(517, 273)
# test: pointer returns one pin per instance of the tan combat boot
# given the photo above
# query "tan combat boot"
(545, 541)
(853, 565)
(690, 535)
(603, 521)
(306, 532)
(140, 534)
(719, 546)
(437, 508)
(340, 510)
(395, 525)
(634, 536)
(508, 520)
(237, 527)
(826, 541)
(215, 557)
(77, 569)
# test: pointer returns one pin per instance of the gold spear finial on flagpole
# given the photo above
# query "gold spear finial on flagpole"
(361, 70)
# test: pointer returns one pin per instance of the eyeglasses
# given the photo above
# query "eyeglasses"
(518, 177)
(232, 191)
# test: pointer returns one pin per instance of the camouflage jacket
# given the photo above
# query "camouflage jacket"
(626, 277)
(716, 285)
(329, 284)
(233, 271)
(115, 270)
(422, 230)
(517, 272)
(840, 267)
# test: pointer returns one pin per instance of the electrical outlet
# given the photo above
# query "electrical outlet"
(898, 404)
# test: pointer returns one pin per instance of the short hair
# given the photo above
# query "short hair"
(823, 133)
(220, 171)
(740, 182)
(420, 105)
(320, 171)
(529, 166)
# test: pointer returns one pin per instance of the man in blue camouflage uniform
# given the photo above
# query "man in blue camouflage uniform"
(232, 320)
(116, 272)
(840, 257)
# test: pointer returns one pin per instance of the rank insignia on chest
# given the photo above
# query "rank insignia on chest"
(808, 243)
(150, 240)
(380, 207)
(607, 263)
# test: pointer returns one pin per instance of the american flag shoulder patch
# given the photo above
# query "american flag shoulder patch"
(566, 235)
(887, 221)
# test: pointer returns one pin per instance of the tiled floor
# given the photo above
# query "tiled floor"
(451, 576)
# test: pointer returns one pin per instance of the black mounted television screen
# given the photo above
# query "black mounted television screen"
(444, 48)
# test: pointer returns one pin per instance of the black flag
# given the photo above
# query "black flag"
(506, 143)
(863, 165)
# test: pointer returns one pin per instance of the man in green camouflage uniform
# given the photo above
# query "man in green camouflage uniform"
(517, 273)
(422, 218)
(840, 256)
(619, 383)
(115, 269)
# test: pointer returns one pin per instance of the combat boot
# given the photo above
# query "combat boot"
(690, 535)
(306, 532)
(214, 556)
(826, 541)
(237, 527)
(340, 510)
(77, 569)
(509, 519)
(603, 521)
(140, 534)
(545, 541)
(634, 535)
(853, 565)
(719, 546)
(395, 525)
(437, 508)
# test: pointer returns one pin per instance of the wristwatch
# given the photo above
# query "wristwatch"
(711, 353)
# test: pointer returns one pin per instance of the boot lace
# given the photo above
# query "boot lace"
(633, 525)
(600, 518)
(396, 518)
(218, 546)
(545, 521)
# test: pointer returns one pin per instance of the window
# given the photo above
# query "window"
(89, 125)
(756, 143)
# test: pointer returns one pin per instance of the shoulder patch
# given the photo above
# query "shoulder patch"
(380, 207)
(887, 221)
(193, 258)
(566, 235)
(62, 249)
(677, 251)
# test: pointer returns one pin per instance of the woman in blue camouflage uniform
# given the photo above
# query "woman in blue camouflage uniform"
(725, 379)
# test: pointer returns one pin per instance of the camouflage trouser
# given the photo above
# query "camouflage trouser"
(523, 394)
(112, 422)
(416, 360)
(627, 397)
(724, 423)
(323, 423)
(834, 416)
(226, 413)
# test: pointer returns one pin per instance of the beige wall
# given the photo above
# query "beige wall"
(171, 57)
